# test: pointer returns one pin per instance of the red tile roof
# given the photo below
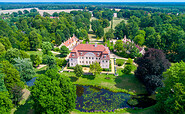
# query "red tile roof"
(82, 49)
(70, 41)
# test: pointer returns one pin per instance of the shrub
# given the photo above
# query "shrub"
(127, 69)
(105, 69)
(70, 67)
(129, 61)
(61, 62)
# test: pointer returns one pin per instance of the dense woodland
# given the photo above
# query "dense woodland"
(147, 6)
(155, 30)
(162, 34)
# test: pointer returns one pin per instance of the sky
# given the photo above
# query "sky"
(92, 0)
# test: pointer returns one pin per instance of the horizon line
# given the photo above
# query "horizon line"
(93, 2)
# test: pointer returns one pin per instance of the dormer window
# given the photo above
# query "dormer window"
(104, 56)
(98, 54)
(73, 55)
(80, 53)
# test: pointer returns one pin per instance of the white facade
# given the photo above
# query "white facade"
(88, 59)
(87, 54)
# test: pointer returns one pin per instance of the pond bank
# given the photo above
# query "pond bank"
(94, 99)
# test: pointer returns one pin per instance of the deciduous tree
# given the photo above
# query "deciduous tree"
(150, 67)
(78, 70)
(53, 95)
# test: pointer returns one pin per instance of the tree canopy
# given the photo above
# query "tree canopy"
(53, 93)
(170, 98)
(150, 69)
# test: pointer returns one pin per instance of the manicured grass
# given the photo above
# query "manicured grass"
(122, 83)
(35, 52)
(120, 62)
(129, 82)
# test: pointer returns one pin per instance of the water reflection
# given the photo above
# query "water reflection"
(93, 99)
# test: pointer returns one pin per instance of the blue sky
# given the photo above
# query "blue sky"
(92, 0)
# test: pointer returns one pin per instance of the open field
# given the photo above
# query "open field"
(40, 11)
(116, 21)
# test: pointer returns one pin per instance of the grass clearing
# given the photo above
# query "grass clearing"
(122, 83)
(116, 21)
(129, 82)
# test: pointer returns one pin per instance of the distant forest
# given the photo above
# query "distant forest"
(147, 6)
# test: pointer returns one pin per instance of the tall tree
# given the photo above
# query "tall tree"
(78, 70)
(53, 95)
(25, 68)
(12, 76)
(64, 51)
(150, 68)
(5, 103)
(119, 45)
(100, 32)
(35, 40)
(46, 47)
(95, 68)
(170, 98)
(2, 85)
(36, 60)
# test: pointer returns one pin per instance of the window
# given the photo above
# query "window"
(104, 56)
(82, 57)
(103, 61)
(80, 61)
(96, 58)
(71, 59)
(106, 61)
(80, 53)
(89, 57)
(86, 57)
(71, 63)
(92, 57)
(73, 55)
(99, 62)
(87, 62)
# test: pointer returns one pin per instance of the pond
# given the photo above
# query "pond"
(94, 99)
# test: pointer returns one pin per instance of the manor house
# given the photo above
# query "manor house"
(86, 54)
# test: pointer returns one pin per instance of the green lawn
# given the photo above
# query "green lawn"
(120, 62)
(122, 83)
(116, 21)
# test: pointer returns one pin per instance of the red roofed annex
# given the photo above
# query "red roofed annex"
(70, 43)
(86, 54)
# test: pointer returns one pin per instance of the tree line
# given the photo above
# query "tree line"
(155, 30)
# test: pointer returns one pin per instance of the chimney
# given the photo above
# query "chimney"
(95, 45)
